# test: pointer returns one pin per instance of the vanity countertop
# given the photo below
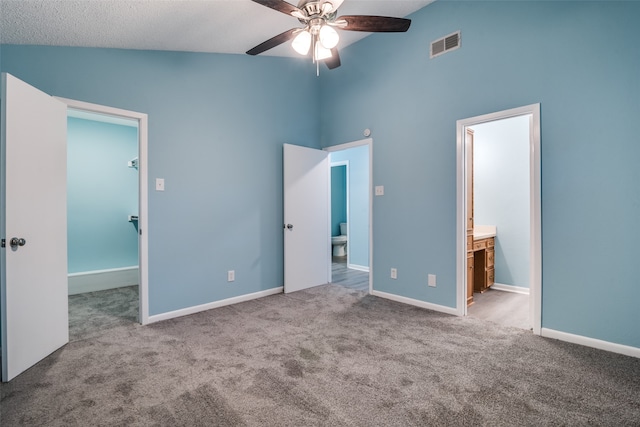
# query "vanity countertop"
(484, 231)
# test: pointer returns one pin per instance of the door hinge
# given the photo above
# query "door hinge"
(4, 243)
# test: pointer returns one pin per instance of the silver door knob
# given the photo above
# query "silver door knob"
(15, 242)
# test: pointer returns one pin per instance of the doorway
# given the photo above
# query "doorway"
(499, 197)
(133, 267)
(102, 222)
(513, 250)
(351, 182)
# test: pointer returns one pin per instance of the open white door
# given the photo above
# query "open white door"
(307, 237)
(33, 203)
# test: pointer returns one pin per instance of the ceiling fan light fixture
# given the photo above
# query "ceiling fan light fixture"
(322, 52)
(302, 42)
(328, 37)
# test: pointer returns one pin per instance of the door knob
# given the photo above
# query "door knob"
(290, 226)
(15, 242)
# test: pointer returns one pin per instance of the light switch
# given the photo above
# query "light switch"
(379, 190)
(432, 280)
(159, 184)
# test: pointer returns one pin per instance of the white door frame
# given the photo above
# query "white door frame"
(143, 216)
(344, 163)
(345, 146)
(535, 230)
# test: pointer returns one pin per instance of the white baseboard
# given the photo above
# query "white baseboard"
(215, 304)
(510, 288)
(358, 267)
(101, 280)
(591, 342)
(415, 302)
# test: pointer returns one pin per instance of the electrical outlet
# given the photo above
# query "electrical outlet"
(432, 280)
(394, 273)
(231, 275)
(379, 190)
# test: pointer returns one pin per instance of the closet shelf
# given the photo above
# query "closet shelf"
(133, 218)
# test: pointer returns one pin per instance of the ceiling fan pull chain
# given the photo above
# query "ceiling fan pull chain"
(313, 48)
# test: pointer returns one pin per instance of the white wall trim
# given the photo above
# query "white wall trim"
(101, 280)
(108, 270)
(348, 145)
(358, 267)
(535, 230)
(143, 192)
(415, 302)
(591, 342)
(510, 288)
(339, 163)
(216, 304)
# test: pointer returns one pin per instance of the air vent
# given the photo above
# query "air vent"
(445, 44)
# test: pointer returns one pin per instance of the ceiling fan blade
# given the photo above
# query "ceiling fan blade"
(273, 42)
(374, 24)
(333, 61)
(281, 6)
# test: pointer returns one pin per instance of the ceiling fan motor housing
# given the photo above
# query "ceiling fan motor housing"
(316, 12)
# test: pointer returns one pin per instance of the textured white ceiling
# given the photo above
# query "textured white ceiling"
(224, 26)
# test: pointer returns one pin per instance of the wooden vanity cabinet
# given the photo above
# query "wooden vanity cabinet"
(490, 257)
(483, 264)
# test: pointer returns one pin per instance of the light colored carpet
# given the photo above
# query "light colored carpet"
(327, 356)
(93, 313)
(501, 307)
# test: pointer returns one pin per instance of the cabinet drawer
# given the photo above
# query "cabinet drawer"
(490, 277)
(479, 245)
(490, 257)
(491, 242)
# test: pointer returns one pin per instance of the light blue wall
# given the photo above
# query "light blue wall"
(501, 193)
(338, 198)
(359, 190)
(101, 192)
(216, 128)
(581, 61)
(213, 117)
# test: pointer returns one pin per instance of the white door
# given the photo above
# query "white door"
(33, 203)
(307, 236)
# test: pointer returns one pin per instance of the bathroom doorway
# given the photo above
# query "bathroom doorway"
(499, 248)
(350, 214)
(500, 201)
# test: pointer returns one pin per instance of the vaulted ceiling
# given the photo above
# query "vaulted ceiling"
(223, 26)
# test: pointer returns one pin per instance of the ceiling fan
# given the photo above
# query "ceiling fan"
(318, 34)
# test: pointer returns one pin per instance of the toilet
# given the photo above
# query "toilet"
(339, 243)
